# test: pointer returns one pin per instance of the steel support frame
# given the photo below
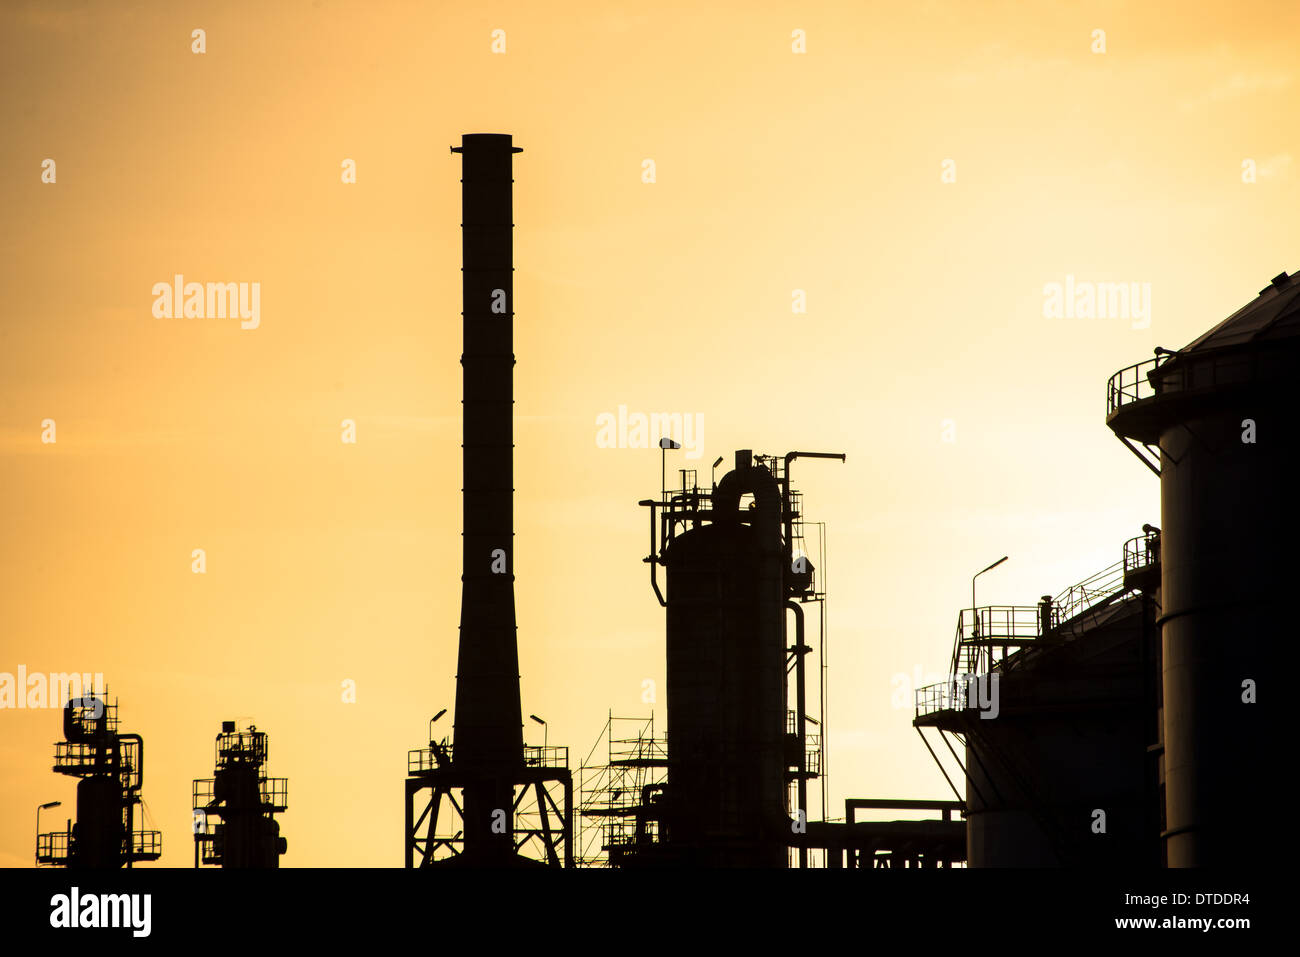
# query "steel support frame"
(425, 793)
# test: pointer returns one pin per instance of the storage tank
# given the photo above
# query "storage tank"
(726, 681)
(99, 830)
(1219, 415)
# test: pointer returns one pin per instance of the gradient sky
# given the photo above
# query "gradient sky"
(775, 172)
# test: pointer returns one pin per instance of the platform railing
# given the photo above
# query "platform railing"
(52, 847)
(1141, 552)
(1133, 383)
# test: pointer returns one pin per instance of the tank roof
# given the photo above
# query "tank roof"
(1273, 314)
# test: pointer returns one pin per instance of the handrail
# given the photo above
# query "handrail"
(980, 630)
(1134, 383)
(1195, 371)
(1081, 596)
(1142, 552)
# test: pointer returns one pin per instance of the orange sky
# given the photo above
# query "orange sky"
(775, 171)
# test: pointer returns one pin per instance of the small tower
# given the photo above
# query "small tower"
(111, 768)
(244, 800)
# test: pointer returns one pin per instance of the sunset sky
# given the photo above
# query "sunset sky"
(775, 171)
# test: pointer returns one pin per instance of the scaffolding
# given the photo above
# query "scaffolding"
(618, 810)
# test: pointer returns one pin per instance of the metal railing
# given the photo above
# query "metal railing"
(55, 847)
(1194, 371)
(986, 635)
(959, 693)
(554, 756)
(52, 847)
(1141, 552)
(535, 756)
(145, 845)
(1133, 383)
(1079, 597)
(425, 759)
(275, 793)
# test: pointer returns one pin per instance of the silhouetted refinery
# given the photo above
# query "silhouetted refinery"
(1112, 724)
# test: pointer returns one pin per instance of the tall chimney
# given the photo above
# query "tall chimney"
(488, 735)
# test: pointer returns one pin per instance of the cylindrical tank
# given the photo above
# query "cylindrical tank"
(236, 788)
(726, 684)
(1222, 411)
(99, 832)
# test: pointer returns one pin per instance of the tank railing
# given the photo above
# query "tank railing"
(933, 698)
(986, 635)
(203, 792)
(1141, 552)
(955, 694)
(1133, 383)
(1094, 589)
(1195, 371)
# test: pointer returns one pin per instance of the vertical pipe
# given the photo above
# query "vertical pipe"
(801, 721)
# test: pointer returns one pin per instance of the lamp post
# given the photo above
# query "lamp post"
(39, 809)
(974, 613)
(544, 733)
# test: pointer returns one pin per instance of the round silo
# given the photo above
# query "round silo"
(1221, 414)
(726, 685)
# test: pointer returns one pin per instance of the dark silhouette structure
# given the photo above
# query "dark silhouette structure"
(1055, 708)
(1216, 420)
(110, 766)
(488, 760)
(234, 811)
(1127, 730)
(728, 787)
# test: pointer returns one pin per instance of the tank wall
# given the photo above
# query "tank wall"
(1070, 738)
(98, 830)
(726, 700)
(1228, 557)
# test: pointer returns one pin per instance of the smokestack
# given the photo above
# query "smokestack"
(488, 735)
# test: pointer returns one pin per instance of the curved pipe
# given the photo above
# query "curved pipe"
(753, 479)
(762, 484)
